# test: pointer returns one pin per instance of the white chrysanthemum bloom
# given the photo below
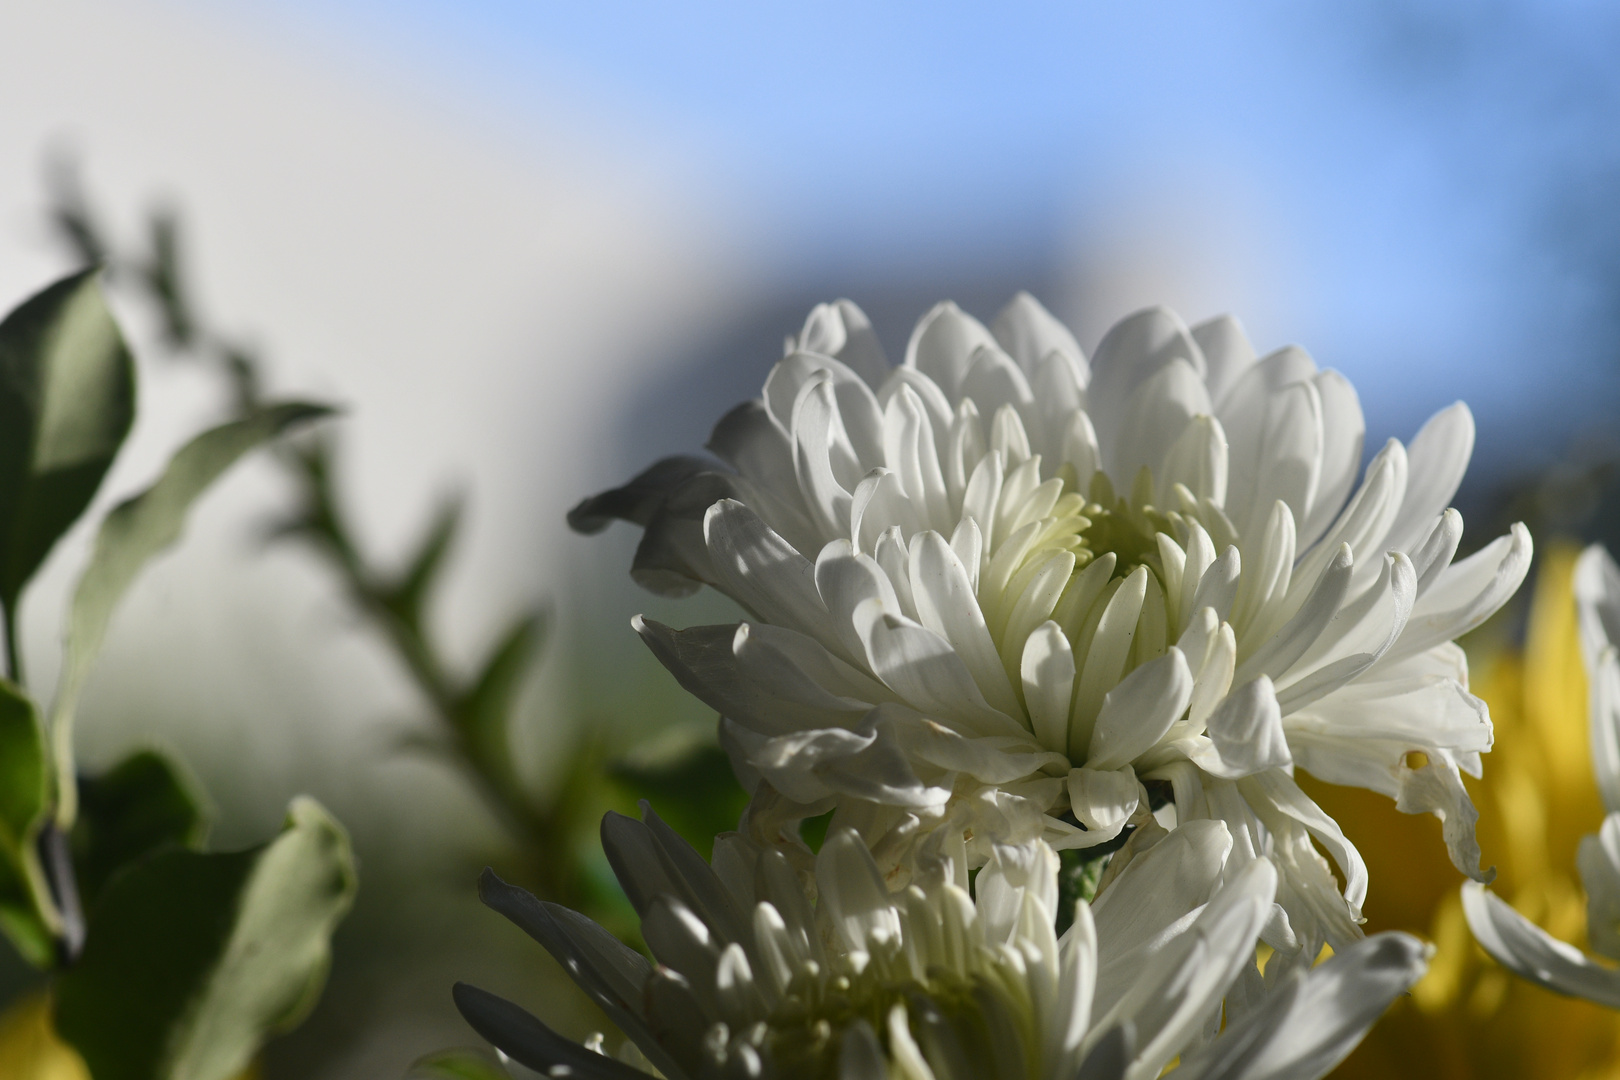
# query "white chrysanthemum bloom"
(1516, 942)
(998, 585)
(766, 971)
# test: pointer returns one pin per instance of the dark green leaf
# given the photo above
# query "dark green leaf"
(458, 1065)
(193, 960)
(131, 534)
(484, 712)
(24, 792)
(140, 805)
(67, 398)
(23, 776)
(694, 790)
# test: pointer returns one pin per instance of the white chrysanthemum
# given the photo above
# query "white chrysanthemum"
(996, 580)
(766, 971)
(1516, 942)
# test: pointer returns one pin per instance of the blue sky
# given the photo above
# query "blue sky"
(1437, 173)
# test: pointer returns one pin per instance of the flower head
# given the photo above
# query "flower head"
(1005, 592)
(765, 970)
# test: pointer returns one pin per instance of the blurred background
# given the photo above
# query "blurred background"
(528, 247)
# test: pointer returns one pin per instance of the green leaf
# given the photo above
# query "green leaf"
(407, 594)
(24, 791)
(140, 805)
(130, 535)
(458, 1065)
(67, 398)
(484, 712)
(21, 921)
(24, 786)
(192, 960)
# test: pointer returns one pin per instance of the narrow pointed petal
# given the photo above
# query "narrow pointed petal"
(529, 1042)
(1304, 1028)
(1531, 953)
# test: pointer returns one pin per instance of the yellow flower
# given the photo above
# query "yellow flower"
(1469, 1017)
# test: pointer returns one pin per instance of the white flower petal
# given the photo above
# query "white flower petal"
(1245, 734)
(1434, 555)
(943, 344)
(1048, 677)
(943, 593)
(841, 329)
(1197, 459)
(938, 406)
(1182, 982)
(1136, 713)
(1243, 410)
(1343, 432)
(1531, 953)
(1154, 415)
(1103, 801)
(1597, 603)
(993, 380)
(1030, 334)
(1276, 790)
(762, 571)
(1015, 872)
(993, 759)
(1129, 354)
(1306, 1026)
(1290, 465)
(705, 661)
(925, 671)
(1158, 888)
(1106, 654)
(1227, 352)
(1467, 593)
(910, 450)
(1438, 458)
(1277, 655)
(851, 890)
(1599, 861)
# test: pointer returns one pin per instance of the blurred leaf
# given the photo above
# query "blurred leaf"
(23, 776)
(694, 791)
(813, 830)
(24, 790)
(131, 534)
(141, 804)
(67, 398)
(193, 960)
(458, 1065)
(484, 711)
(407, 595)
(21, 921)
(163, 280)
(30, 1049)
